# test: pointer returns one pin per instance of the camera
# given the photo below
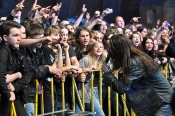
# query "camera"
(110, 11)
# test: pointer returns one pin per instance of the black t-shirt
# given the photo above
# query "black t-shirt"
(71, 53)
(80, 54)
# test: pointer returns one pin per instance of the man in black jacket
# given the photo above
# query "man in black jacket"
(11, 62)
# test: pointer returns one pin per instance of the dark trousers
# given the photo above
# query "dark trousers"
(47, 103)
(5, 107)
(19, 107)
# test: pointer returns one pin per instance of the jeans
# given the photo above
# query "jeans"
(30, 109)
(97, 107)
(58, 105)
(165, 110)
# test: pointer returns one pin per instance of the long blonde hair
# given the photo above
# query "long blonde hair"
(91, 56)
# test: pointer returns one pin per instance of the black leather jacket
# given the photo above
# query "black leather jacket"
(157, 82)
(12, 61)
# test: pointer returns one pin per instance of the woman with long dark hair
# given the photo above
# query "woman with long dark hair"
(148, 92)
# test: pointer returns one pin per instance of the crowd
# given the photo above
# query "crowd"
(44, 48)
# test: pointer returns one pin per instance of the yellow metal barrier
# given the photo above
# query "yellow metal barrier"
(109, 101)
(63, 96)
(81, 101)
(73, 96)
(165, 71)
(42, 102)
(82, 86)
(13, 111)
(92, 92)
(78, 97)
(100, 88)
(52, 93)
(36, 99)
(117, 105)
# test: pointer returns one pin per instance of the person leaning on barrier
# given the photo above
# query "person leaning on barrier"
(93, 60)
(13, 64)
(38, 57)
(147, 90)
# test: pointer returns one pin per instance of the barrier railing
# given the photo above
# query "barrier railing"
(81, 103)
(13, 111)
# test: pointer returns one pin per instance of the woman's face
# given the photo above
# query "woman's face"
(154, 34)
(128, 33)
(165, 34)
(71, 28)
(119, 31)
(98, 49)
(149, 45)
(84, 38)
(155, 45)
(103, 27)
(99, 37)
(144, 32)
(136, 39)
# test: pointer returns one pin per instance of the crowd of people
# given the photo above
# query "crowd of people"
(44, 48)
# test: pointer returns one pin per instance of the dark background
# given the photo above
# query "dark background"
(148, 10)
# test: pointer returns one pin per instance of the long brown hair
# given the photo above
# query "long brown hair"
(122, 51)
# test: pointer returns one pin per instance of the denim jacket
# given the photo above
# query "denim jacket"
(157, 81)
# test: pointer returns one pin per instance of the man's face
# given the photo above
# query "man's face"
(120, 22)
(13, 38)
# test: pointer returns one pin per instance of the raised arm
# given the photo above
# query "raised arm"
(16, 11)
(34, 9)
(29, 41)
(77, 22)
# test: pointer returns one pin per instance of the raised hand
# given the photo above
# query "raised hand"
(136, 19)
(97, 14)
(35, 6)
(56, 8)
(19, 6)
(66, 47)
(84, 9)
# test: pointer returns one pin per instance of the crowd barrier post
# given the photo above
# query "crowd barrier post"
(73, 95)
(166, 71)
(52, 93)
(117, 104)
(117, 96)
(13, 111)
(42, 102)
(63, 96)
(100, 88)
(78, 97)
(132, 112)
(82, 86)
(36, 98)
(109, 101)
(92, 91)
